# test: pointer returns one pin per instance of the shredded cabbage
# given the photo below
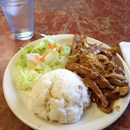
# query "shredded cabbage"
(37, 59)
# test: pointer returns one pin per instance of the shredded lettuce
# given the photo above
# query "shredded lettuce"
(24, 77)
(37, 59)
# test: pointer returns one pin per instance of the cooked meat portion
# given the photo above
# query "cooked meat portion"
(97, 67)
(96, 90)
(80, 69)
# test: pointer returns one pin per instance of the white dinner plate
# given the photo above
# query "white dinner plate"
(93, 118)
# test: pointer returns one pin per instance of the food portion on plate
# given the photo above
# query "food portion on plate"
(65, 78)
(61, 96)
(37, 59)
(95, 64)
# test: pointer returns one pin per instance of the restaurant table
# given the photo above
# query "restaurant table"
(105, 20)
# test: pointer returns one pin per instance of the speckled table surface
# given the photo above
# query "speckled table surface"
(107, 21)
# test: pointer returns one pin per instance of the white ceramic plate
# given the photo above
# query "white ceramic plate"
(93, 118)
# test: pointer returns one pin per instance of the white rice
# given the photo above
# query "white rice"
(61, 96)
